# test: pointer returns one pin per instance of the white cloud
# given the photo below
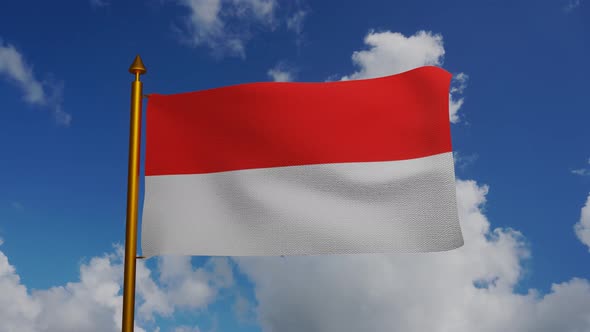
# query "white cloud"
(461, 79)
(262, 9)
(281, 73)
(467, 289)
(582, 171)
(17, 310)
(77, 306)
(455, 103)
(392, 53)
(582, 228)
(155, 299)
(295, 21)
(15, 69)
(13, 66)
(208, 25)
(280, 76)
(184, 285)
(295, 24)
(95, 299)
(180, 286)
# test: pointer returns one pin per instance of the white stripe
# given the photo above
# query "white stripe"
(344, 208)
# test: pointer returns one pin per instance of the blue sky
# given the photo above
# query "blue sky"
(520, 129)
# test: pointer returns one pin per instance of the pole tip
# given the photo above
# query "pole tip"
(137, 66)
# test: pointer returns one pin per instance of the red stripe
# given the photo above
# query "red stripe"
(258, 125)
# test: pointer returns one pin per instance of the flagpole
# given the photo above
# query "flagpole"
(137, 68)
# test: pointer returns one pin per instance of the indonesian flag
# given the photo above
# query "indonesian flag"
(269, 169)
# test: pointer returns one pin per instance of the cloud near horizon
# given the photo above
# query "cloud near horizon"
(95, 299)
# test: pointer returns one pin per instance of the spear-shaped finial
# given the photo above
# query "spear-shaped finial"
(137, 66)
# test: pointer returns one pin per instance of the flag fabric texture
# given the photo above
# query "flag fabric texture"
(268, 169)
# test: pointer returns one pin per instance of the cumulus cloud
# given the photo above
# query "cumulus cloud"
(392, 53)
(77, 306)
(45, 94)
(468, 289)
(95, 299)
(208, 23)
(582, 228)
(187, 287)
(472, 288)
(281, 73)
(280, 76)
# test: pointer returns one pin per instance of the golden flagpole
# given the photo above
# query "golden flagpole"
(137, 68)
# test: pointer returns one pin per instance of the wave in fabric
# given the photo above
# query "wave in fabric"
(264, 169)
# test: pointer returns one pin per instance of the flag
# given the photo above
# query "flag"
(267, 169)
